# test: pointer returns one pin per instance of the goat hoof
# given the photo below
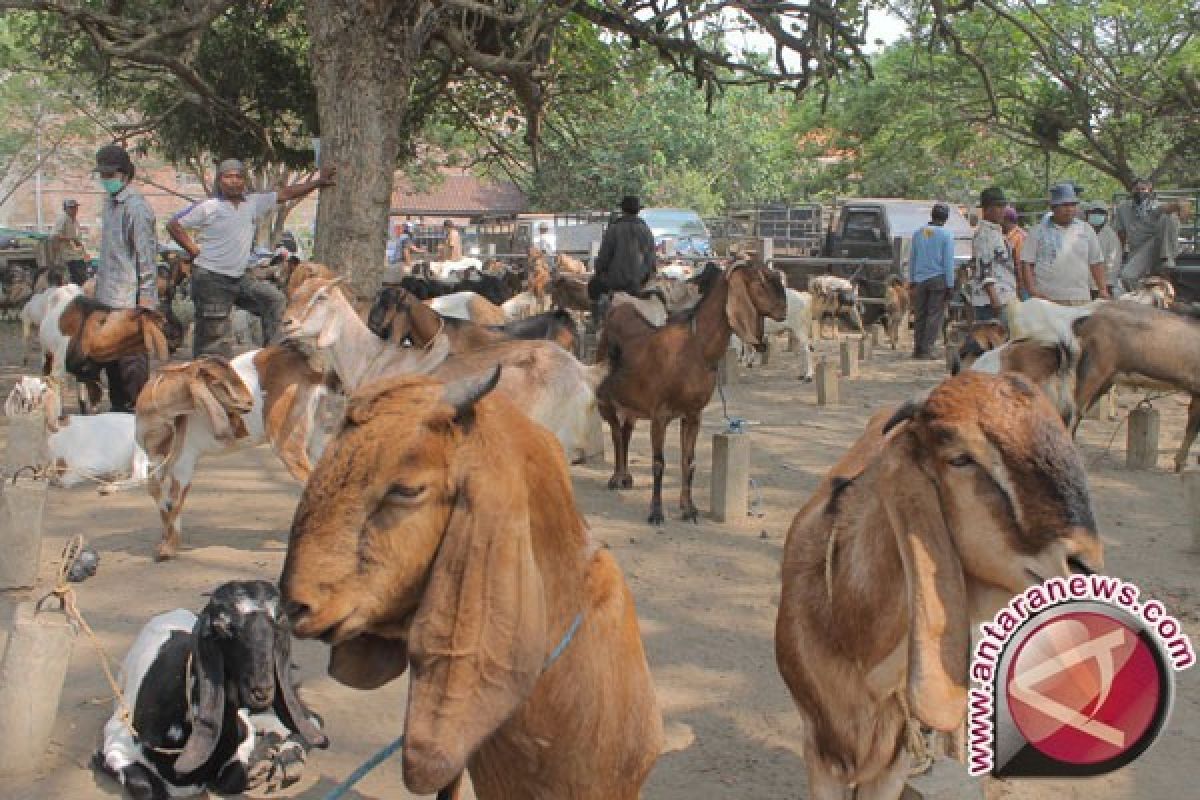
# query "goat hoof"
(614, 483)
(166, 551)
(691, 515)
(626, 482)
(656, 517)
(806, 379)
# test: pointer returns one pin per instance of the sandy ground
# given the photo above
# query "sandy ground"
(707, 594)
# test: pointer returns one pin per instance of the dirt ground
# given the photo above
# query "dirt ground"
(707, 594)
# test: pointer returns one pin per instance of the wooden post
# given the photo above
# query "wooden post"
(827, 383)
(1191, 496)
(1141, 448)
(32, 673)
(865, 348)
(946, 780)
(21, 507)
(730, 476)
(727, 368)
(849, 359)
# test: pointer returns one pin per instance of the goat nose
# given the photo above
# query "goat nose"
(296, 611)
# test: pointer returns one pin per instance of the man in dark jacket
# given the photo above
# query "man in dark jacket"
(626, 259)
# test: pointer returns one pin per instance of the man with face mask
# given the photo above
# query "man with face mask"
(127, 272)
(221, 253)
(1149, 235)
(1096, 215)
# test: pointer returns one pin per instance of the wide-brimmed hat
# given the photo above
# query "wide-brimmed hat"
(992, 196)
(631, 204)
(1062, 194)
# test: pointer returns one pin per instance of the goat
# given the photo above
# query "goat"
(569, 265)
(663, 373)
(538, 277)
(210, 406)
(570, 292)
(1052, 368)
(100, 447)
(540, 377)
(833, 296)
(977, 340)
(796, 325)
(496, 569)
(214, 705)
(930, 523)
(32, 314)
(1130, 343)
(1157, 292)
(90, 335)
(468, 305)
(292, 275)
(896, 302)
(396, 316)
(520, 306)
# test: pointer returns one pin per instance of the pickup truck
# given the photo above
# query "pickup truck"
(868, 241)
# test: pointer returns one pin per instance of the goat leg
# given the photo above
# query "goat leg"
(658, 433)
(689, 429)
(1189, 433)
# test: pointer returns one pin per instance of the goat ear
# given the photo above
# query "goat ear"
(287, 704)
(208, 697)
(206, 401)
(939, 631)
(743, 317)
(464, 393)
(478, 640)
(368, 661)
(333, 326)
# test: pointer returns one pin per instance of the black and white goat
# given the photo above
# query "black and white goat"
(213, 706)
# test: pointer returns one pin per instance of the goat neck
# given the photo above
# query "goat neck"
(424, 322)
(356, 354)
(710, 324)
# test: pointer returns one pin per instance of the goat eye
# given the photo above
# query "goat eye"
(961, 460)
(401, 492)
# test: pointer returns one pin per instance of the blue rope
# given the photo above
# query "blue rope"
(389, 750)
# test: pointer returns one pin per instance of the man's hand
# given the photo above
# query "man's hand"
(148, 302)
(326, 177)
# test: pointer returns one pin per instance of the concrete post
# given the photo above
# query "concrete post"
(1141, 448)
(876, 335)
(730, 476)
(26, 442)
(593, 252)
(945, 780)
(827, 383)
(727, 368)
(849, 359)
(865, 349)
(21, 508)
(766, 251)
(32, 672)
(1191, 496)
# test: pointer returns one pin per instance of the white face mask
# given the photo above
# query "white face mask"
(1097, 220)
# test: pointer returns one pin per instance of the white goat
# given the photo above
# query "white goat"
(32, 314)
(99, 447)
(521, 306)
(468, 305)
(796, 325)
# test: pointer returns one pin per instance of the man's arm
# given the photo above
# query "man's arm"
(324, 178)
(1099, 277)
(145, 251)
(182, 238)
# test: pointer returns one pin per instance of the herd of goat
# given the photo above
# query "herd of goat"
(414, 548)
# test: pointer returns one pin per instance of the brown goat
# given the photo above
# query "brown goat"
(569, 265)
(939, 514)
(896, 302)
(663, 373)
(293, 276)
(414, 547)
(1131, 341)
(570, 293)
(100, 334)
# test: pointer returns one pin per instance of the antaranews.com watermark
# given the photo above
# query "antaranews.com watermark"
(1073, 677)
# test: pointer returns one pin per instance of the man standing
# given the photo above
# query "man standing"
(546, 241)
(993, 275)
(1062, 253)
(406, 246)
(1096, 215)
(930, 279)
(68, 254)
(452, 249)
(626, 259)
(127, 272)
(221, 254)
(1148, 233)
(1014, 234)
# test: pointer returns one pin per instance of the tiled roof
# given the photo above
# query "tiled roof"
(459, 195)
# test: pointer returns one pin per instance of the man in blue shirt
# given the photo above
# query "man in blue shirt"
(930, 278)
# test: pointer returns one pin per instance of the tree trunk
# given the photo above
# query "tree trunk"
(354, 43)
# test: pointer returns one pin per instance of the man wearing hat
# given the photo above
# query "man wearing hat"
(67, 251)
(931, 277)
(1062, 253)
(221, 253)
(128, 264)
(626, 259)
(993, 274)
